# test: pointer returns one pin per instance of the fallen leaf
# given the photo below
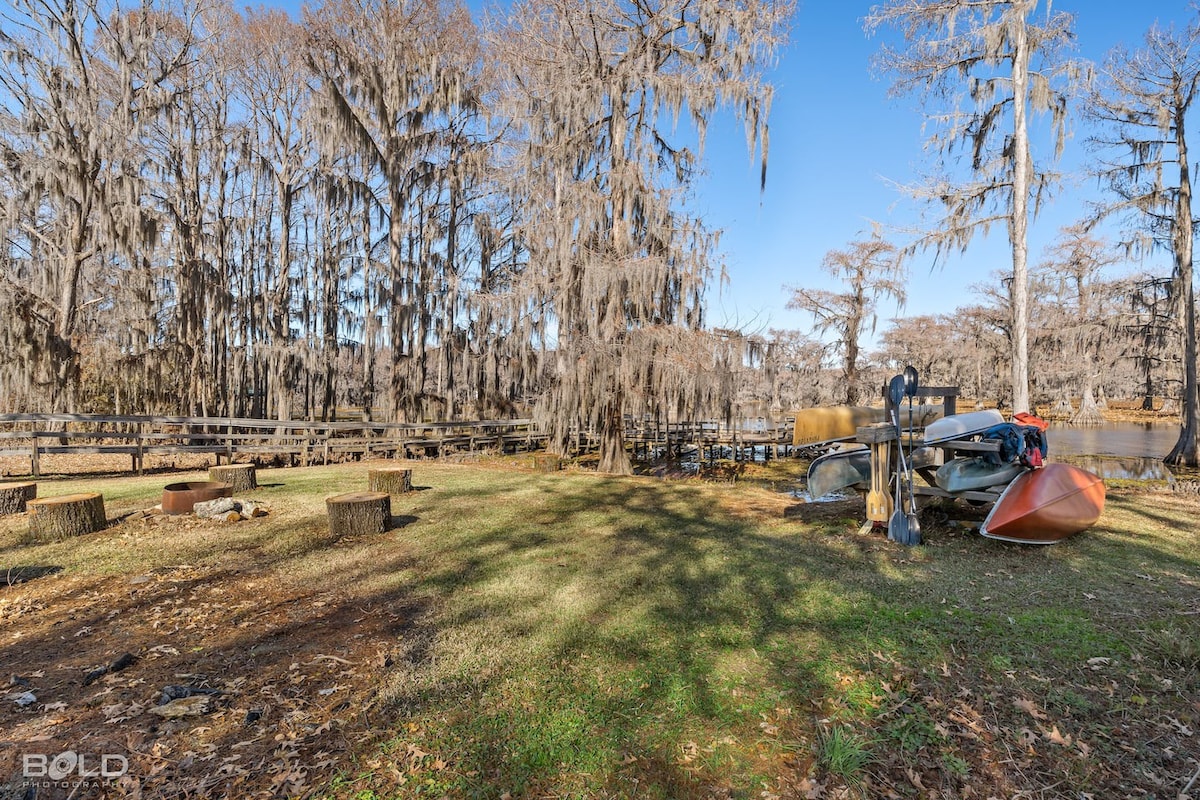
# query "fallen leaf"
(1057, 738)
(1030, 708)
(811, 790)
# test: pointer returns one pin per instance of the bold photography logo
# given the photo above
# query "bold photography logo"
(69, 765)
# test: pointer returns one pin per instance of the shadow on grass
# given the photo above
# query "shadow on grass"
(585, 636)
(653, 618)
(12, 576)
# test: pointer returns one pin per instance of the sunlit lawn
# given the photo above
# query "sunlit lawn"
(590, 636)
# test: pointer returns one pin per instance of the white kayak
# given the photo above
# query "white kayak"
(960, 426)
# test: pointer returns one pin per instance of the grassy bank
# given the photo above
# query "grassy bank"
(576, 635)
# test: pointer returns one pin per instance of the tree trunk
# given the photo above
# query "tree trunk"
(1020, 217)
(56, 518)
(1186, 451)
(1063, 409)
(358, 513)
(613, 457)
(14, 496)
(546, 462)
(242, 477)
(1089, 412)
(393, 480)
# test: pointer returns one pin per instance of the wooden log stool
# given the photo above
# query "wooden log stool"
(53, 519)
(393, 480)
(242, 477)
(358, 513)
(546, 462)
(14, 496)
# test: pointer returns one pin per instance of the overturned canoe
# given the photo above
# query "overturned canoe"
(1046, 505)
(960, 426)
(847, 469)
(830, 423)
(967, 474)
(841, 469)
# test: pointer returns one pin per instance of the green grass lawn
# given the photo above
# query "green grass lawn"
(574, 635)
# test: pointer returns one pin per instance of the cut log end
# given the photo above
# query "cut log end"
(15, 496)
(242, 477)
(393, 480)
(545, 462)
(359, 513)
(54, 519)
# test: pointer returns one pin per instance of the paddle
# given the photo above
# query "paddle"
(898, 524)
(914, 521)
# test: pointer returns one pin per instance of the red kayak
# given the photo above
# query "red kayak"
(1046, 505)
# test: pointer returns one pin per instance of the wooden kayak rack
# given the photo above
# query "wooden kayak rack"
(882, 440)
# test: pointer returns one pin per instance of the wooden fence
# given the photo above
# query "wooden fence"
(304, 442)
(33, 436)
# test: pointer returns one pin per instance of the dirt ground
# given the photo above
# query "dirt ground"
(270, 691)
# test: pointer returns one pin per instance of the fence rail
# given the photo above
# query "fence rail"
(305, 442)
(33, 436)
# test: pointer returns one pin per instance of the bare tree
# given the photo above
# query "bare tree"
(1143, 100)
(80, 77)
(615, 264)
(1072, 267)
(870, 270)
(983, 63)
(1149, 331)
(271, 74)
(392, 75)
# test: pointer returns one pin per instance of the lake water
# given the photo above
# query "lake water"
(1116, 449)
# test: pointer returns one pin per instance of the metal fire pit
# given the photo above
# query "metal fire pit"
(180, 498)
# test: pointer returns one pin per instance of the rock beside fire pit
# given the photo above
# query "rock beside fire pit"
(229, 509)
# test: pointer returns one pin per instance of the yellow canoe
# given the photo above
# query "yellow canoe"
(830, 423)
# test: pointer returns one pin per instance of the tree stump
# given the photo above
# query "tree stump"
(545, 462)
(241, 477)
(358, 513)
(56, 518)
(393, 480)
(14, 496)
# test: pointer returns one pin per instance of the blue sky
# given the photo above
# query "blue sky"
(837, 144)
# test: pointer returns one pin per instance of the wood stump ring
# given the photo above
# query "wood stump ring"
(393, 480)
(358, 513)
(14, 496)
(54, 519)
(242, 477)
